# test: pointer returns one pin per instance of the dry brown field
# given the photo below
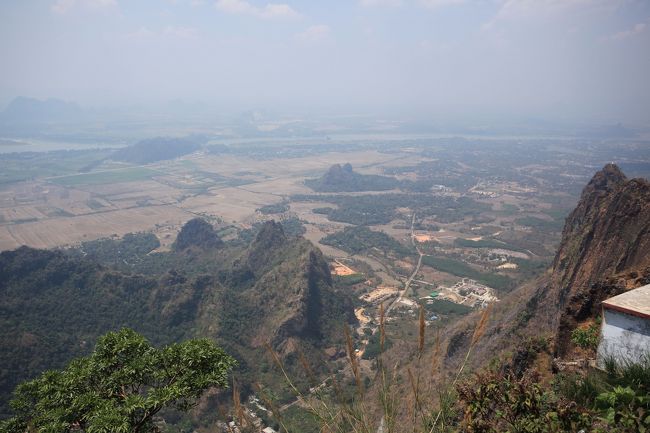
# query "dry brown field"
(44, 214)
(62, 231)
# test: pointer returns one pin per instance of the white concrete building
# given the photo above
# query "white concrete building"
(625, 333)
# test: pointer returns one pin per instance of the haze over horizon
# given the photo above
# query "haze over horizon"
(579, 60)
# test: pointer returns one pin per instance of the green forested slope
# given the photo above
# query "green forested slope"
(54, 304)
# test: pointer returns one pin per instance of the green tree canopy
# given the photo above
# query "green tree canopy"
(119, 387)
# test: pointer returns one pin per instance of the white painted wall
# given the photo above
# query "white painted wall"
(624, 337)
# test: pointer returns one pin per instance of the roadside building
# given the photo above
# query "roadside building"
(625, 333)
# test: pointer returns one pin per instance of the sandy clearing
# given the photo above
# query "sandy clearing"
(379, 293)
(339, 268)
(361, 316)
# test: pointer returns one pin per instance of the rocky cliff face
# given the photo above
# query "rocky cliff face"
(605, 249)
(607, 233)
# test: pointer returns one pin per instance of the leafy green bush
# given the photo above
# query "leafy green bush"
(625, 408)
(499, 402)
(587, 337)
(119, 387)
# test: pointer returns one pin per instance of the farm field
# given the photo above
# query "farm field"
(106, 177)
(64, 210)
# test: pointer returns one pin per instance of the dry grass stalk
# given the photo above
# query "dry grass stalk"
(274, 409)
(277, 361)
(435, 359)
(306, 367)
(236, 399)
(481, 326)
(223, 415)
(421, 334)
(382, 331)
(415, 387)
(352, 357)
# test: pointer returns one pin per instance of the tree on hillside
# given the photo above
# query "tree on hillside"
(120, 387)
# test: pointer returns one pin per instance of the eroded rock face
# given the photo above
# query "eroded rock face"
(604, 249)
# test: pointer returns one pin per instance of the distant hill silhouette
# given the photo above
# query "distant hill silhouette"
(159, 149)
(30, 110)
(197, 233)
(342, 178)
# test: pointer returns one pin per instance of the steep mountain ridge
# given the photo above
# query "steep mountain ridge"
(270, 237)
(603, 252)
(54, 304)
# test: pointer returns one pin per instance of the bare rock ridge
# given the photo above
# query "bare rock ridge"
(198, 233)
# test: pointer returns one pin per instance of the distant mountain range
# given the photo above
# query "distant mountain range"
(25, 110)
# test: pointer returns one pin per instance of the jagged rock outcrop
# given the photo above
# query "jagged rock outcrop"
(294, 288)
(607, 233)
(198, 233)
(604, 249)
(264, 249)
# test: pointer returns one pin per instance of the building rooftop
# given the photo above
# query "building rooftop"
(635, 302)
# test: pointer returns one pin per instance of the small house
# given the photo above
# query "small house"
(625, 332)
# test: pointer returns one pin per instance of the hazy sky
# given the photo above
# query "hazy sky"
(546, 58)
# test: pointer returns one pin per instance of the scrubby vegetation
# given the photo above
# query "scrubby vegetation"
(361, 239)
(460, 269)
(445, 308)
(503, 397)
(54, 303)
(617, 400)
(274, 208)
(368, 210)
(587, 337)
(127, 250)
